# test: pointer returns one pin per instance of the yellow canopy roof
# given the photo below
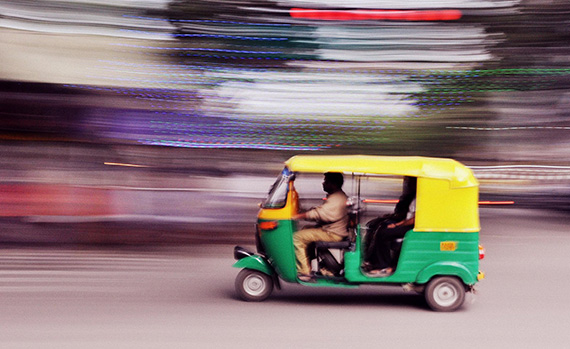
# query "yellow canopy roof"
(456, 173)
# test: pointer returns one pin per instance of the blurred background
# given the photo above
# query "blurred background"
(158, 121)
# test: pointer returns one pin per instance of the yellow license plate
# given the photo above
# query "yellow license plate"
(448, 245)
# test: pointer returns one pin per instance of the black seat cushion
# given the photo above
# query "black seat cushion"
(326, 244)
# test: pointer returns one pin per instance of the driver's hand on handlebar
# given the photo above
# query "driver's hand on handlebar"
(299, 216)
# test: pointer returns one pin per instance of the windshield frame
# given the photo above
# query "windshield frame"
(277, 196)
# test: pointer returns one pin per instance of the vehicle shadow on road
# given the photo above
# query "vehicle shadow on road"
(359, 300)
(345, 298)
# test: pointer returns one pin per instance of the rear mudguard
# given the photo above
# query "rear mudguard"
(446, 268)
(255, 262)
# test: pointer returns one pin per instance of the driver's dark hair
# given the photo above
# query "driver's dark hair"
(335, 177)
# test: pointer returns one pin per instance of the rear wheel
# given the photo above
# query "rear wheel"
(253, 286)
(445, 293)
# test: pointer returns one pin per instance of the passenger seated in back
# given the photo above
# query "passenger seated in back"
(383, 230)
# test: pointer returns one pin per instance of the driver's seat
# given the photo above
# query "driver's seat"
(322, 248)
(326, 259)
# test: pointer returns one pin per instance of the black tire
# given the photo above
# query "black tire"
(253, 286)
(445, 293)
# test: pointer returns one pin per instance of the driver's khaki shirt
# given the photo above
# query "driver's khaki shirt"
(333, 214)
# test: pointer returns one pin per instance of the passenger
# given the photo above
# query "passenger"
(332, 221)
(378, 260)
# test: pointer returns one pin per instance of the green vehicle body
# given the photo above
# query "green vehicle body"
(421, 258)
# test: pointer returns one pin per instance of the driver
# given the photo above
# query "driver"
(332, 221)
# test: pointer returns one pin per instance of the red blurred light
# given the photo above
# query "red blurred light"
(387, 15)
(496, 202)
(374, 201)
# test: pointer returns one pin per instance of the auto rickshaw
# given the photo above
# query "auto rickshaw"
(439, 257)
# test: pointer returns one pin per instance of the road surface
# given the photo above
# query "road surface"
(85, 297)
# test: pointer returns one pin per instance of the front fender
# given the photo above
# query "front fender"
(256, 263)
(446, 269)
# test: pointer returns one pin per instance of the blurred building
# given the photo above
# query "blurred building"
(449, 78)
(107, 103)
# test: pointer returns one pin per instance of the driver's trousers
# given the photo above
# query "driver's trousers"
(301, 241)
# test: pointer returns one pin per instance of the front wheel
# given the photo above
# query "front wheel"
(253, 286)
(445, 293)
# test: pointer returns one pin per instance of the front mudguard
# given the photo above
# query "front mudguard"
(255, 262)
(249, 260)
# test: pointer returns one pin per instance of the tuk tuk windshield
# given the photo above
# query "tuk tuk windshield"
(277, 197)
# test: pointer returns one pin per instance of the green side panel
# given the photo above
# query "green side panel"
(353, 261)
(421, 258)
(256, 263)
(278, 244)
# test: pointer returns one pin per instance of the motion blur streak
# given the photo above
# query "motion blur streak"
(177, 114)
(125, 165)
(136, 135)
(360, 15)
(227, 72)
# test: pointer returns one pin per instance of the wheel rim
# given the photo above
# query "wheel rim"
(254, 285)
(445, 294)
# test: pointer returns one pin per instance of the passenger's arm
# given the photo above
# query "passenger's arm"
(409, 221)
